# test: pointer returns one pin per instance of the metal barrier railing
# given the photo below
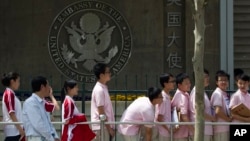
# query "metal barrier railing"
(103, 123)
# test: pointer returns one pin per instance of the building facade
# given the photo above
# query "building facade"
(147, 38)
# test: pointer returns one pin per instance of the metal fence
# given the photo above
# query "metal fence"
(85, 95)
(103, 123)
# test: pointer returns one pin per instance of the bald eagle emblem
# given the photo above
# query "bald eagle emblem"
(89, 42)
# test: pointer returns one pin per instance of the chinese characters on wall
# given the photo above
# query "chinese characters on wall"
(174, 44)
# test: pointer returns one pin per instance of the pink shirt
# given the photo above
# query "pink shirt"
(208, 130)
(100, 97)
(10, 103)
(237, 98)
(217, 99)
(141, 110)
(181, 101)
(164, 109)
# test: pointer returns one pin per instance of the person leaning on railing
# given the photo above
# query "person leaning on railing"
(140, 110)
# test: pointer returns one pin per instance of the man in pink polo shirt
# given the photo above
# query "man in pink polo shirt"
(101, 103)
(163, 110)
(241, 96)
(181, 102)
(141, 110)
(220, 102)
(208, 114)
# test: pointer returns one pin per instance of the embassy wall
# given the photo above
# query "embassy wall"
(26, 28)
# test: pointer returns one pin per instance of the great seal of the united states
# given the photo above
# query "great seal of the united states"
(85, 33)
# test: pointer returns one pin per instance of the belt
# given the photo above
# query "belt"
(35, 138)
(38, 138)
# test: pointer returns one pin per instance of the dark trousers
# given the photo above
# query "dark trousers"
(12, 138)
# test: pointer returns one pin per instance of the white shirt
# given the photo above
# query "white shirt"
(10, 103)
(141, 110)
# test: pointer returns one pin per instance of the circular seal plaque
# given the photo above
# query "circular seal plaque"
(86, 33)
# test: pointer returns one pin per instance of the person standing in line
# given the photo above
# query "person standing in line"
(237, 73)
(101, 103)
(140, 110)
(163, 110)
(12, 108)
(36, 119)
(181, 102)
(220, 103)
(71, 115)
(208, 130)
(241, 96)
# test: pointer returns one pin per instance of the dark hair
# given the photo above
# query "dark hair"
(164, 78)
(37, 82)
(237, 73)
(206, 71)
(98, 69)
(180, 77)
(244, 77)
(67, 84)
(153, 93)
(221, 73)
(8, 77)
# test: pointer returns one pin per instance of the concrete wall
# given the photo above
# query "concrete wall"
(24, 29)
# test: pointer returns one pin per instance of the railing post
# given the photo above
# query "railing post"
(171, 132)
(83, 97)
(102, 125)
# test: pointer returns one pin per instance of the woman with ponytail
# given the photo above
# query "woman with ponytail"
(71, 115)
(12, 108)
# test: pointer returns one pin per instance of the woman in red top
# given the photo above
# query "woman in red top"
(71, 115)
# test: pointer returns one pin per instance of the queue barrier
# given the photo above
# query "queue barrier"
(103, 123)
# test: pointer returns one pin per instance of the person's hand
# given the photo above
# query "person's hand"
(234, 116)
(176, 128)
(22, 134)
(112, 132)
(50, 91)
(66, 121)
